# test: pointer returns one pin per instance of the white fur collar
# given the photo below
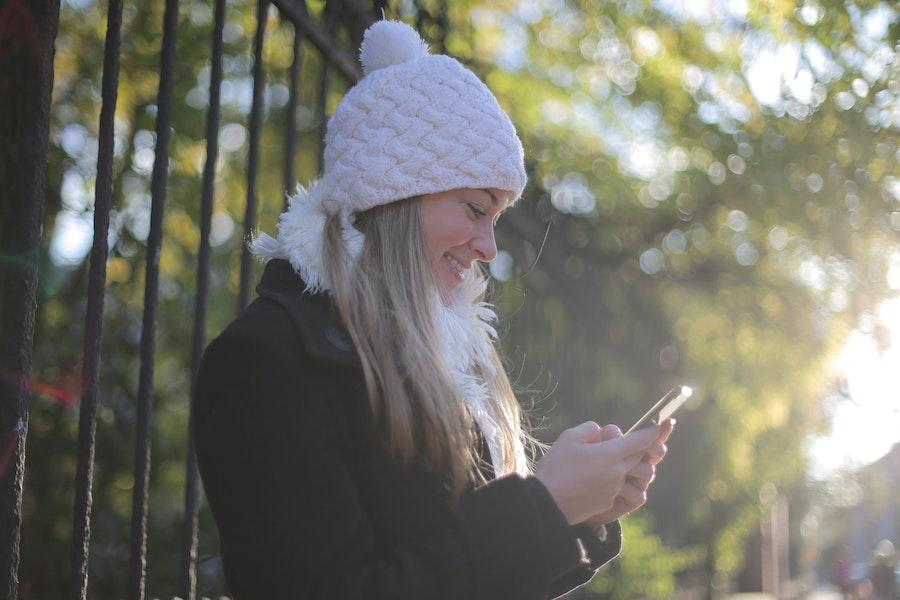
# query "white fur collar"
(464, 325)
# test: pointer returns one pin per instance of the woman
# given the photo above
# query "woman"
(355, 430)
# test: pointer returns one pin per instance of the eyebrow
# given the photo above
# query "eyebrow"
(494, 199)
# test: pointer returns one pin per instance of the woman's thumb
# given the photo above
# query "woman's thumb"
(610, 432)
(588, 431)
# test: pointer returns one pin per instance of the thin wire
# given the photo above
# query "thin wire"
(540, 251)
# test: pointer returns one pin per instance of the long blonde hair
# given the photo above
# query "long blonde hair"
(385, 304)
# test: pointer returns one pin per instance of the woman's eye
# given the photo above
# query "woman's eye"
(477, 211)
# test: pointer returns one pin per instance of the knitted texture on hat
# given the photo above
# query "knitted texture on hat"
(417, 123)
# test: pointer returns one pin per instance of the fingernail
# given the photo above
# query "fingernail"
(673, 422)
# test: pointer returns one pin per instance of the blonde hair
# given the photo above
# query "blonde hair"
(385, 302)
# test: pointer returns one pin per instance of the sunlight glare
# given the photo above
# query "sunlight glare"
(866, 425)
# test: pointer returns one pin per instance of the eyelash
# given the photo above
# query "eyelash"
(478, 212)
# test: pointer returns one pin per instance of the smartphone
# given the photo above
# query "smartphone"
(664, 408)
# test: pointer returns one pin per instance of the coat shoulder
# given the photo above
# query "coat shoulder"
(265, 357)
(253, 353)
(263, 324)
(261, 338)
(314, 316)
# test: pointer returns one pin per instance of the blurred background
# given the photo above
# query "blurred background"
(713, 200)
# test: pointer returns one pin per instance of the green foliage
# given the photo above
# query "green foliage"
(647, 568)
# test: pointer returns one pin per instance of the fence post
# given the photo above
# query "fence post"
(93, 326)
(27, 37)
(138, 560)
(189, 536)
(255, 126)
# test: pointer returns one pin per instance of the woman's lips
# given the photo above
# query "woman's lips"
(456, 267)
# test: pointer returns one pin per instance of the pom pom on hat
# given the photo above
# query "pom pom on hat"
(388, 43)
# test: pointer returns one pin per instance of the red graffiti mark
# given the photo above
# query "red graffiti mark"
(63, 394)
(18, 26)
(67, 392)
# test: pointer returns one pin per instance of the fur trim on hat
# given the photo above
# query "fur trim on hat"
(301, 238)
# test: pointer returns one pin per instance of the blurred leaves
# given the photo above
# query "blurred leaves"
(646, 567)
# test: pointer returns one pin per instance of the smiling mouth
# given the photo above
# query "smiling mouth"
(457, 266)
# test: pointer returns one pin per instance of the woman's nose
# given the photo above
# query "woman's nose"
(484, 245)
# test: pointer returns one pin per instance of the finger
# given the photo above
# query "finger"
(633, 496)
(641, 484)
(667, 426)
(636, 441)
(656, 453)
(589, 431)
(610, 432)
(628, 463)
(642, 475)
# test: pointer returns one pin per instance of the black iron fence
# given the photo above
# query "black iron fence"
(27, 34)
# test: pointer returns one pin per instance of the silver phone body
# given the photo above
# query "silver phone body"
(664, 408)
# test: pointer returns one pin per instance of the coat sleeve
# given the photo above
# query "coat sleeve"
(289, 515)
(598, 552)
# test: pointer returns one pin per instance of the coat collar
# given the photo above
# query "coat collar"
(313, 315)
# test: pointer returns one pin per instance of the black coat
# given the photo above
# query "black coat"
(309, 503)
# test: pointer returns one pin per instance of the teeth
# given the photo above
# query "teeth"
(456, 265)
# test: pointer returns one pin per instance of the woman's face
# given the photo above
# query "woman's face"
(459, 229)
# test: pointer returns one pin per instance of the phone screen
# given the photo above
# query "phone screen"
(664, 408)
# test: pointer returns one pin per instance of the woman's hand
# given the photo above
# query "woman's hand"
(585, 473)
(634, 492)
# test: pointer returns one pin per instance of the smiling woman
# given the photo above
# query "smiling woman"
(459, 230)
(356, 432)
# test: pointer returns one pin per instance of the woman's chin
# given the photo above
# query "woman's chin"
(447, 287)
(445, 291)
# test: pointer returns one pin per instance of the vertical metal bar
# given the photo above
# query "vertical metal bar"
(87, 424)
(421, 15)
(188, 583)
(138, 562)
(379, 7)
(26, 84)
(443, 26)
(290, 142)
(324, 83)
(253, 163)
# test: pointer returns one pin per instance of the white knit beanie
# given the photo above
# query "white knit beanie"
(416, 123)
